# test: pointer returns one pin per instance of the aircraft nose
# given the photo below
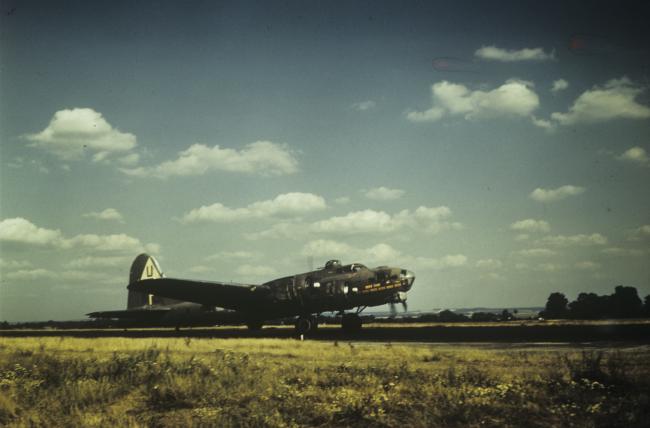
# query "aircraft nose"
(408, 277)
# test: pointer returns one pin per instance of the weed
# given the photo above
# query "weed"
(262, 382)
(591, 366)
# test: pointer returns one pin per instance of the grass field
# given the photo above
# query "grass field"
(282, 382)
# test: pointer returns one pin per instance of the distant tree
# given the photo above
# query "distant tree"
(556, 306)
(450, 316)
(589, 306)
(484, 316)
(506, 315)
(625, 303)
(428, 318)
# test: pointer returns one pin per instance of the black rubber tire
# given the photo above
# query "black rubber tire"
(255, 325)
(314, 323)
(304, 325)
(351, 324)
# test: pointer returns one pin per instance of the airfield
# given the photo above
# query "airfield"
(454, 375)
(532, 331)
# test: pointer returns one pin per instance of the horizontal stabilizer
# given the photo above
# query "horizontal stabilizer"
(132, 314)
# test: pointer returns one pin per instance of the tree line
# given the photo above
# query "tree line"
(623, 303)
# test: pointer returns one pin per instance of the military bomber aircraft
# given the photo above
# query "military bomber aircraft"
(333, 288)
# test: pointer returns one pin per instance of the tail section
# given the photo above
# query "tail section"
(144, 268)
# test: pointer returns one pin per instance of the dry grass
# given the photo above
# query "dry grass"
(282, 382)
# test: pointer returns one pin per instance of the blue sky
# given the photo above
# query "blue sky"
(501, 152)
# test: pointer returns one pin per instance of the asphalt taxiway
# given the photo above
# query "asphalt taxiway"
(575, 333)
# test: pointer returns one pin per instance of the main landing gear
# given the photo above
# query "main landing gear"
(254, 325)
(306, 324)
(351, 324)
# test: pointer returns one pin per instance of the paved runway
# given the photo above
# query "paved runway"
(605, 333)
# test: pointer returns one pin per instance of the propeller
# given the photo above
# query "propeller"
(393, 308)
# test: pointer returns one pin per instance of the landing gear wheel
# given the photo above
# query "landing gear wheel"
(304, 325)
(314, 323)
(254, 325)
(351, 323)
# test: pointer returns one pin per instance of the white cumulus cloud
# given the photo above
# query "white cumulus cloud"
(72, 133)
(380, 254)
(427, 219)
(286, 204)
(448, 261)
(27, 275)
(640, 233)
(263, 158)
(559, 85)
(366, 221)
(14, 264)
(618, 251)
(31, 274)
(21, 231)
(513, 98)
(536, 252)
(531, 225)
(384, 194)
(553, 195)
(342, 200)
(493, 53)
(283, 230)
(574, 240)
(636, 155)
(328, 249)
(545, 124)
(107, 214)
(489, 264)
(614, 100)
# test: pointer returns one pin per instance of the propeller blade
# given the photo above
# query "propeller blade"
(393, 310)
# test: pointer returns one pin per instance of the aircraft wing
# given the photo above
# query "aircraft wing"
(239, 297)
(131, 314)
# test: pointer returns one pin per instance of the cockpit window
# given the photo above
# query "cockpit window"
(354, 267)
(332, 264)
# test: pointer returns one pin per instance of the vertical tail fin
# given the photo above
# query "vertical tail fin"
(144, 267)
